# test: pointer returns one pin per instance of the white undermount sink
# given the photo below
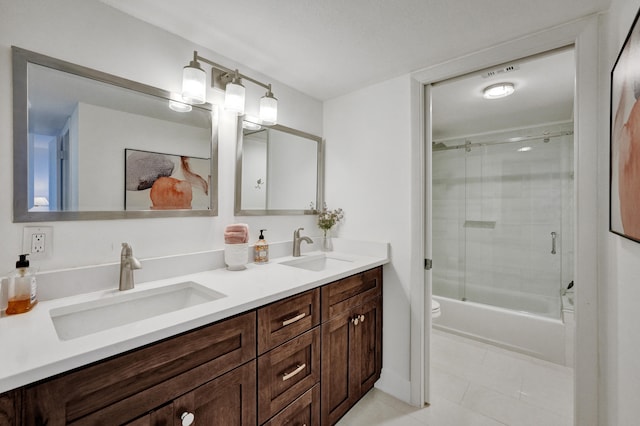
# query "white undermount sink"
(85, 318)
(316, 262)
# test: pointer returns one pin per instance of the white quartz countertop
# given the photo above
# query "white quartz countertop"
(32, 350)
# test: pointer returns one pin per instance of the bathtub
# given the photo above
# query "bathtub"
(523, 332)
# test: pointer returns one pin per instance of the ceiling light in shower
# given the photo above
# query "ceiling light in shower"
(500, 90)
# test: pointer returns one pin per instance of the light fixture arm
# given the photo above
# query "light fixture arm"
(229, 71)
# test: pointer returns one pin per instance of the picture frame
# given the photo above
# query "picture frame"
(159, 181)
(624, 167)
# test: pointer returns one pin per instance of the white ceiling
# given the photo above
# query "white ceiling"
(544, 86)
(326, 48)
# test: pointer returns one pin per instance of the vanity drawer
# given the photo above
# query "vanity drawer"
(304, 411)
(284, 320)
(286, 372)
(341, 296)
(143, 379)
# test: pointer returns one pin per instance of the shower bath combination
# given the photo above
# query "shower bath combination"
(503, 238)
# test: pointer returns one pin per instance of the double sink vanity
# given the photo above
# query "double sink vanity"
(295, 341)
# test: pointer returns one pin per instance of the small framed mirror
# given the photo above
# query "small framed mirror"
(93, 146)
(279, 170)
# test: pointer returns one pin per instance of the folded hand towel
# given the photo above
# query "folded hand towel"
(236, 234)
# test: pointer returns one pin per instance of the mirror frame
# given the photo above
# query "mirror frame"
(21, 59)
(319, 178)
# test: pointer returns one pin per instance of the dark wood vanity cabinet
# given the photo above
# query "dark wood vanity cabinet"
(303, 360)
(351, 341)
(142, 382)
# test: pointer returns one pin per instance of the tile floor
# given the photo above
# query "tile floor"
(480, 385)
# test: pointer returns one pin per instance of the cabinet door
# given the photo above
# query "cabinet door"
(229, 400)
(338, 361)
(368, 344)
(351, 358)
(9, 408)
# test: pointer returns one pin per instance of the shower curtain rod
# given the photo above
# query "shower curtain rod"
(439, 146)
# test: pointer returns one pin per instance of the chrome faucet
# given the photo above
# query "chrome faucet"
(297, 239)
(127, 265)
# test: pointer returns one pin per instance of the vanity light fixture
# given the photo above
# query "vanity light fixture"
(500, 90)
(179, 106)
(40, 202)
(194, 88)
(250, 125)
(269, 108)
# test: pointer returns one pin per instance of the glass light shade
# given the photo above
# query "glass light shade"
(268, 109)
(179, 106)
(496, 91)
(194, 85)
(234, 98)
(40, 201)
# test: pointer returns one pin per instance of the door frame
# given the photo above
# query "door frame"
(583, 34)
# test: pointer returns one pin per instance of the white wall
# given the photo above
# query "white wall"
(619, 274)
(92, 34)
(369, 175)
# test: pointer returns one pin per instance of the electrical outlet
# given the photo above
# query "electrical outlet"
(37, 242)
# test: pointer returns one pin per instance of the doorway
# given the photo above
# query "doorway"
(503, 203)
(584, 34)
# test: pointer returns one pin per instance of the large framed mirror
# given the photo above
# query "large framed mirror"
(279, 170)
(93, 146)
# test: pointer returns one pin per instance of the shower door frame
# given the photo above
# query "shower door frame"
(583, 34)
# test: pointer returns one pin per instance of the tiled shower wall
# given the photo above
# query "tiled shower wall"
(494, 208)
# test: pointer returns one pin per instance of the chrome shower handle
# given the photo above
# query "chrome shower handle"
(553, 242)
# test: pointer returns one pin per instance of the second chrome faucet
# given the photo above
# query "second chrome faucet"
(127, 264)
(297, 239)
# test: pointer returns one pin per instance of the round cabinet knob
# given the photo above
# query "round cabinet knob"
(187, 418)
(361, 318)
(355, 320)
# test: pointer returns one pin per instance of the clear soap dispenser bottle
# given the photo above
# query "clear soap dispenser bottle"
(21, 295)
(261, 250)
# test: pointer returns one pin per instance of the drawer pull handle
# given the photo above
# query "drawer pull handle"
(187, 418)
(294, 319)
(287, 376)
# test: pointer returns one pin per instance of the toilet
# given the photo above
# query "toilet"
(435, 309)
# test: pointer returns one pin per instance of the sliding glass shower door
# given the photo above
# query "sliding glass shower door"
(502, 220)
